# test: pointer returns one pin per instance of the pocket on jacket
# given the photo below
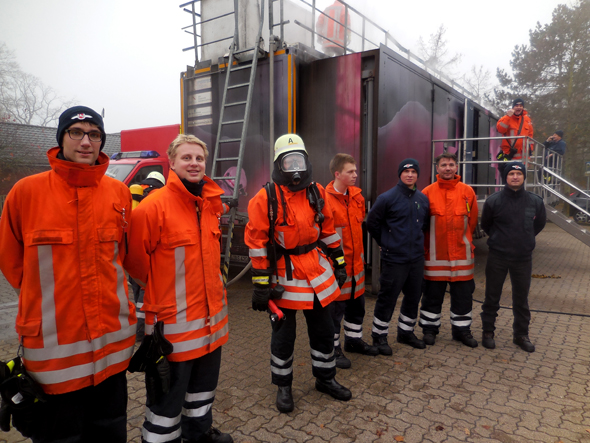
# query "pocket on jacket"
(31, 328)
(49, 237)
(113, 234)
(179, 239)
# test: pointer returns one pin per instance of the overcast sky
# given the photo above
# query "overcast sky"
(126, 55)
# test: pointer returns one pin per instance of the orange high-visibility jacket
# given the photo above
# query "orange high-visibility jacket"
(508, 126)
(449, 243)
(349, 213)
(62, 245)
(330, 26)
(174, 248)
(312, 272)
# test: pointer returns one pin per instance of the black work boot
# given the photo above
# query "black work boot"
(285, 399)
(429, 338)
(359, 346)
(466, 338)
(410, 339)
(214, 435)
(487, 340)
(381, 344)
(333, 388)
(341, 361)
(524, 343)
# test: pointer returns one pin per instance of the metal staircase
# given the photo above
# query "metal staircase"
(557, 217)
(231, 133)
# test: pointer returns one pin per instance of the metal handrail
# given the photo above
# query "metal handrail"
(539, 167)
(387, 39)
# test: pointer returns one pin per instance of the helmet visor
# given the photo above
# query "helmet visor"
(293, 162)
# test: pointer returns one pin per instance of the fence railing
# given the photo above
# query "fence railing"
(544, 174)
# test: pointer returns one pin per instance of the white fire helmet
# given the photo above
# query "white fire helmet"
(288, 143)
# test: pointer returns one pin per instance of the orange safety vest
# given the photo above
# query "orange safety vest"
(174, 247)
(349, 213)
(61, 243)
(331, 27)
(449, 243)
(508, 126)
(312, 272)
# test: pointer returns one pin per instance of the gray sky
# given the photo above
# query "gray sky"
(126, 55)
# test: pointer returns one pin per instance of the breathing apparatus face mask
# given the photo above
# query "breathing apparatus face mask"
(293, 164)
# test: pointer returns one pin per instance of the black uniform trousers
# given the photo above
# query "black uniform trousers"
(497, 267)
(95, 414)
(395, 278)
(353, 313)
(282, 344)
(461, 305)
(186, 410)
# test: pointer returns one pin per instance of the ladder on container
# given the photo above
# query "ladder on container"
(224, 153)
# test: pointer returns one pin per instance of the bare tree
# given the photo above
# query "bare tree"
(23, 97)
(478, 82)
(436, 54)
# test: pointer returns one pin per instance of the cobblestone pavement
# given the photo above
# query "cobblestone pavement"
(445, 393)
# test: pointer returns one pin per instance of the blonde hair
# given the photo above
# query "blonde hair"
(185, 138)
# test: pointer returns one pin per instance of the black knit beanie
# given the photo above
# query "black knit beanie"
(514, 166)
(517, 101)
(408, 163)
(75, 115)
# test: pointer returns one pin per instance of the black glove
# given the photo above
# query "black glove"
(151, 359)
(232, 203)
(21, 398)
(340, 274)
(260, 298)
(337, 257)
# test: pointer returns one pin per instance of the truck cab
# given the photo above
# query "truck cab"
(133, 167)
(142, 151)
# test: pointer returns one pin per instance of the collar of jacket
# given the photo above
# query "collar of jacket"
(512, 193)
(210, 189)
(78, 175)
(405, 190)
(353, 191)
(448, 184)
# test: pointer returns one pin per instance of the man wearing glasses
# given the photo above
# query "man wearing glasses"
(62, 248)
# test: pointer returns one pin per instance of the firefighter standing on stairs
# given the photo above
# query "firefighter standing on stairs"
(305, 276)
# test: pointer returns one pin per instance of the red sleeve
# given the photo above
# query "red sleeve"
(256, 233)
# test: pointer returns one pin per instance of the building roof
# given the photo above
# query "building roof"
(28, 144)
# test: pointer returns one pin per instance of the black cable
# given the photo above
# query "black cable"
(543, 311)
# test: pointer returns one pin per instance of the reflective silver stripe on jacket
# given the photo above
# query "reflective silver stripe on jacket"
(52, 350)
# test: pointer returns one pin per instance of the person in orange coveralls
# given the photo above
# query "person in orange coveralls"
(62, 248)
(449, 250)
(174, 252)
(348, 207)
(305, 277)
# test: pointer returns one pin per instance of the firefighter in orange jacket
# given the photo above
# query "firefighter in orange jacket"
(449, 253)
(305, 277)
(331, 31)
(174, 252)
(348, 208)
(154, 180)
(515, 123)
(62, 248)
